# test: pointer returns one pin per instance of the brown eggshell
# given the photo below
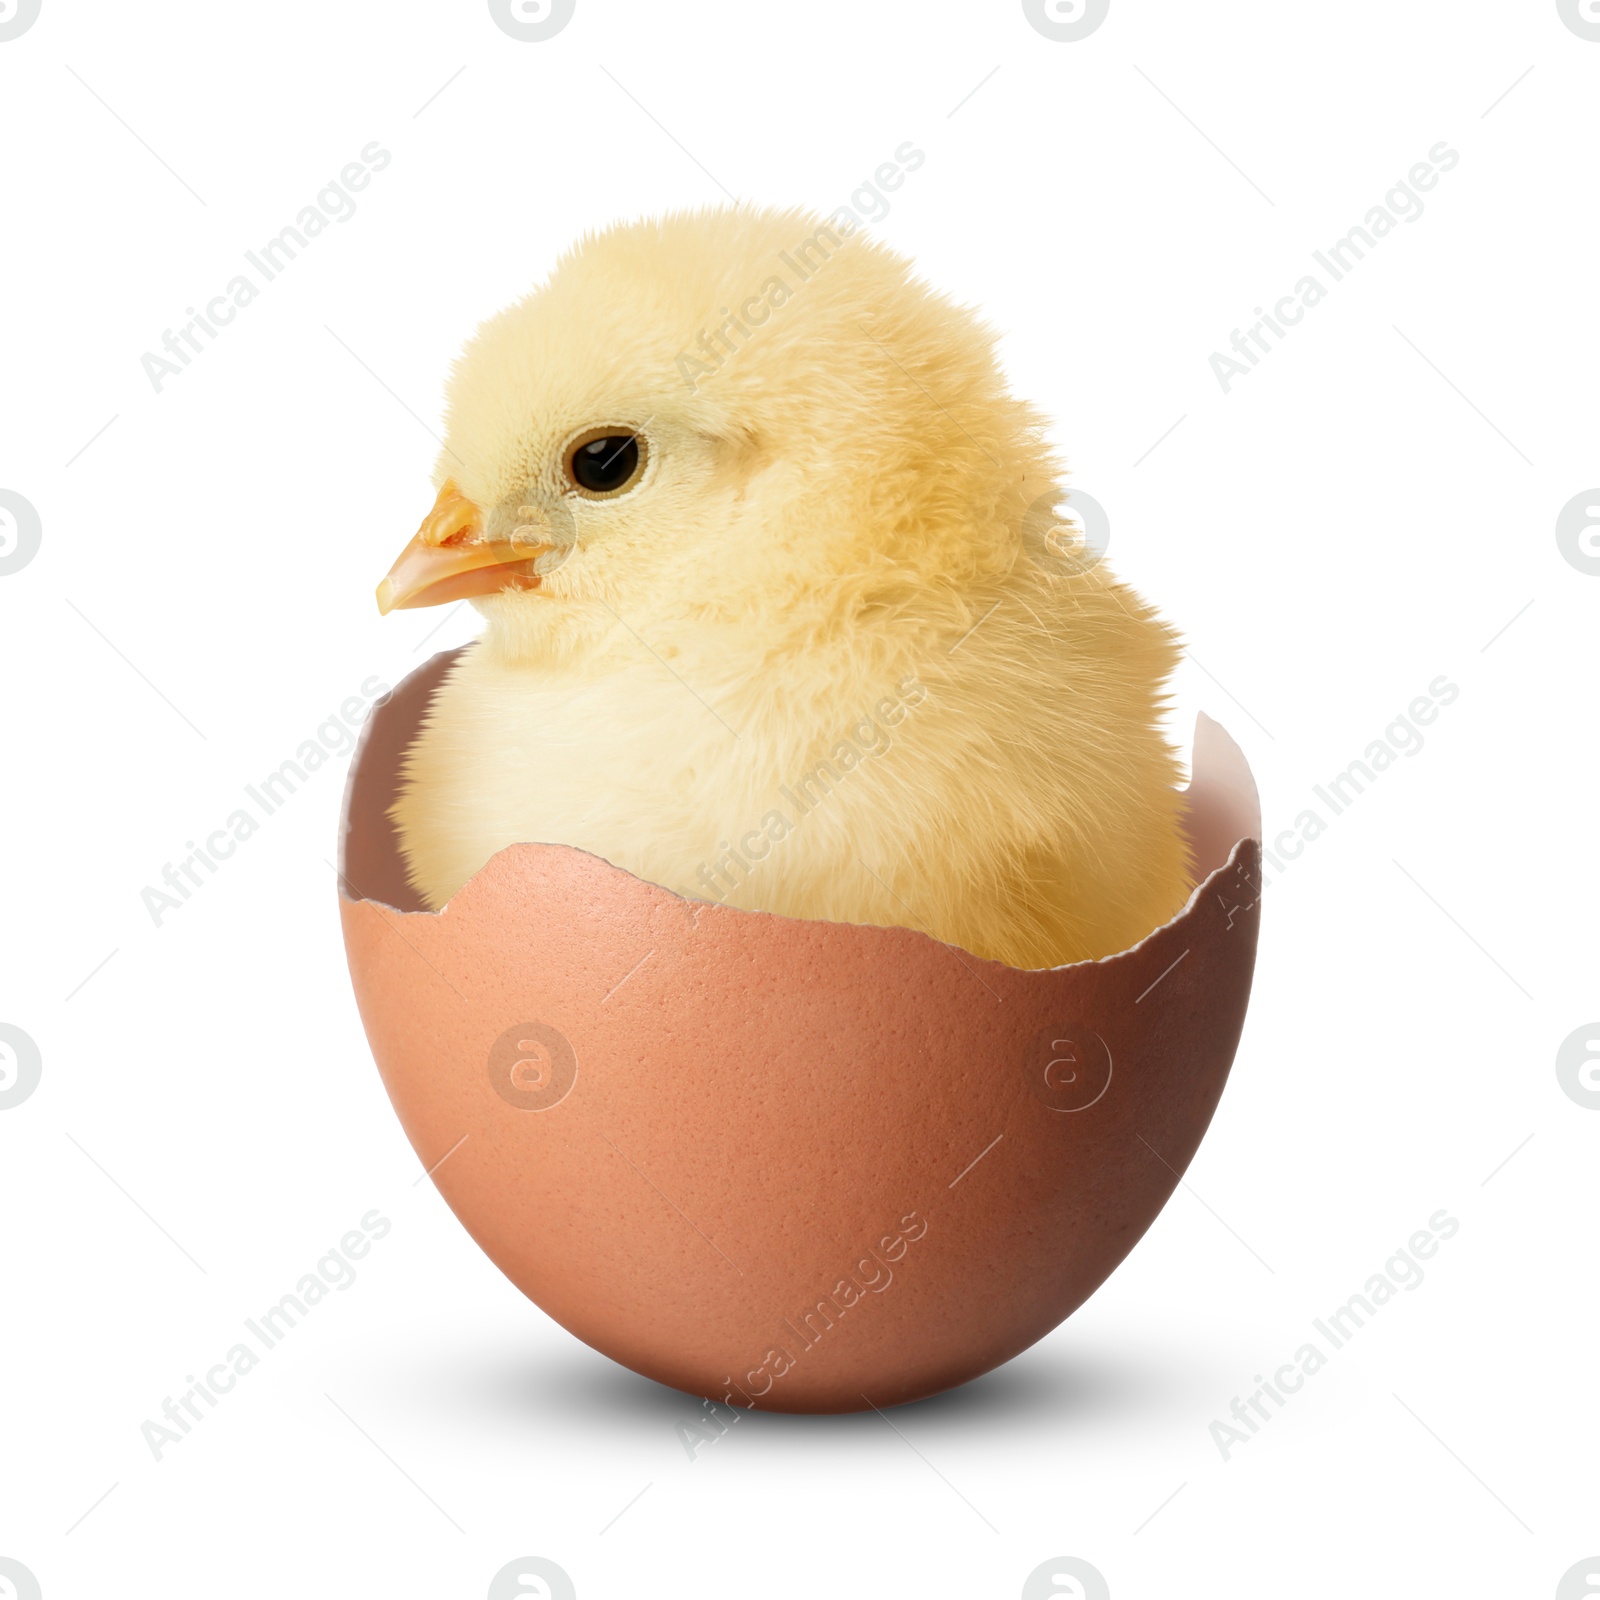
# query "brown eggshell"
(812, 1166)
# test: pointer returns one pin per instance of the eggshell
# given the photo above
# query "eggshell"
(808, 1166)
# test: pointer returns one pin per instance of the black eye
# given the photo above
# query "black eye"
(606, 463)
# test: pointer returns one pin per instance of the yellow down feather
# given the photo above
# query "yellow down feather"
(820, 660)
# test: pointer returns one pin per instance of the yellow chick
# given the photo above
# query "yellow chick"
(778, 613)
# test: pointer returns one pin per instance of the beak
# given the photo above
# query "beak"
(449, 559)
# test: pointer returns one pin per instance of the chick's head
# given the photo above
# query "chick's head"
(729, 415)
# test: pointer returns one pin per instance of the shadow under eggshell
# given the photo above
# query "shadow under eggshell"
(810, 1166)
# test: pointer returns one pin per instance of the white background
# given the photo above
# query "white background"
(1370, 508)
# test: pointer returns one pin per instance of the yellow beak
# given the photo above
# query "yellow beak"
(449, 559)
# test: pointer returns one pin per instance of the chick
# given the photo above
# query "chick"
(775, 612)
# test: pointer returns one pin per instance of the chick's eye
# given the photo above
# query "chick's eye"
(607, 463)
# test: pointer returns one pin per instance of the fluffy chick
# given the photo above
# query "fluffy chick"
(821, 653)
